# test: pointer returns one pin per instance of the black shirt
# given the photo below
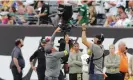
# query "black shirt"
(16, 53)
(40, 55)
(45, 10)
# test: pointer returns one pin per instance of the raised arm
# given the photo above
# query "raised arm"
(84, 38)
(54, 34)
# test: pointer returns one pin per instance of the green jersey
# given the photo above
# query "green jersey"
(84, 11)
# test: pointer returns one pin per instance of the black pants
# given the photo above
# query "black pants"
(16, 74)
(75, 76)
(61, 76)
(123, 75)
(41, 73)
(117, 76)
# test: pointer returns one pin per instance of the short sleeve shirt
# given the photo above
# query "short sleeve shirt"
(84, 11)
(98, 52)
(16, 53)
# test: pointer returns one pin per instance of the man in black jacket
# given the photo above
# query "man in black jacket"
(40, 55)
(44, 12)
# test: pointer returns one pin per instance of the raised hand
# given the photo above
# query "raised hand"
(84, 26)
(58, 30)
(67, 39)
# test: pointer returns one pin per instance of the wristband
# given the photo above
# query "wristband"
(65, 52)
(83, 29)
(89, 52)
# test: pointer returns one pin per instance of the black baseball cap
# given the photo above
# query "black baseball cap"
(100, 37)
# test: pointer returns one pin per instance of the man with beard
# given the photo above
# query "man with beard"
(17, 62)
(40, 55)
(96, 52)
(53, 57)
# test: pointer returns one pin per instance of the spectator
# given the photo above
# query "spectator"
(4, 19)
(11, 19)
(131, 67)
(75, 64)
(121, 9)
(117, 18)
(21, 8)
(6, 4)
(19, 4)
(36, 4)
(21, 12)
(123, 59)
(131, 14)
(111, 6)
(130, 3)
(30, 10)
(12, 15)
(0, 5)
(124, 21)
(21, 15)
(112, 63)
(110, 21)
(92, 13)
(83, 13)
(44, 12)
(12, 10)
(30, 13)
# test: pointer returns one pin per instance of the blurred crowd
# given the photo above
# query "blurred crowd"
(16, 12)
(110, 13)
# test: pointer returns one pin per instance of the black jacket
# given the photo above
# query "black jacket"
(40, 55)
(45, 9)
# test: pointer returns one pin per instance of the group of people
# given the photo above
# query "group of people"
(118, 15)
(49, 63)
(82, 66)
(16, 12)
